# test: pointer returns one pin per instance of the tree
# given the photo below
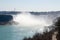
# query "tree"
(57, 24)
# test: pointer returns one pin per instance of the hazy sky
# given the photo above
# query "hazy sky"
(30, 5)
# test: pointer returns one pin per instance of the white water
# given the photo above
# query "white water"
(39, 23)
(28, 25)
(26, 19)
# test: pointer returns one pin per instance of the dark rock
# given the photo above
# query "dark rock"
(4, 19)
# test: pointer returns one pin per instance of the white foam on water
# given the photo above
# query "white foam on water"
(26, 19)
(38, 23)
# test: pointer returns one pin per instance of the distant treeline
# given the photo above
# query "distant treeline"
(44, 13)
(9, 12)
(33, 13)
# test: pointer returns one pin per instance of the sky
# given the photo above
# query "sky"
(30, 5)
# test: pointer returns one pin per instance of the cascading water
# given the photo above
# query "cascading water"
(32, 21)
(27, 26)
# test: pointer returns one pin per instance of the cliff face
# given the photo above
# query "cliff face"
(6, 16)
(4, 19)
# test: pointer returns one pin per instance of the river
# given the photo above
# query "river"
(27, 27)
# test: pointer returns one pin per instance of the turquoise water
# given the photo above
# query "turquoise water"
(9, 32)
(15, 32)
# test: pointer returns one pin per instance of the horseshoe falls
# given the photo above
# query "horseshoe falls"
(26, 24)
